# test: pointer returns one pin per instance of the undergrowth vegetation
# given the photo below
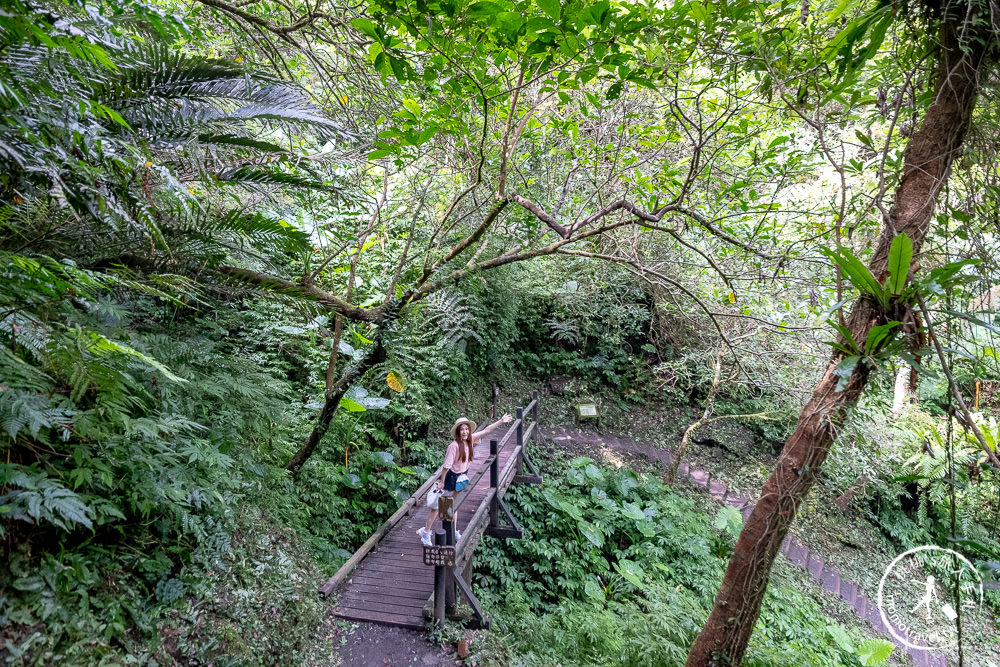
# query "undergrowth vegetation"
(245, 288)
(616, 568)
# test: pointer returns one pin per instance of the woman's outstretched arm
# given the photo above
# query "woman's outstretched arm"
(479, 435)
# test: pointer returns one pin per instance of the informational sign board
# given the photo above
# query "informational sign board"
(439, 556)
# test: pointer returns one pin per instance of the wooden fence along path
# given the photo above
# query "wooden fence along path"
(393, 579)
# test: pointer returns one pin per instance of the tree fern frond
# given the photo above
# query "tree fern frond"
(242, 142)
(32, 412)
(257, 177)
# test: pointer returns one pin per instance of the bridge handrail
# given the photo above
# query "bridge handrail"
(337, 579)
(530, 406)
(484, 467)
(347, 568)
(473, 481)
(470, 529)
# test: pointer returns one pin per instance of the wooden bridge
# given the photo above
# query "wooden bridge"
(393, 579)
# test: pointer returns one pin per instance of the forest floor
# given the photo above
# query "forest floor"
(730, 453)
(363, 645)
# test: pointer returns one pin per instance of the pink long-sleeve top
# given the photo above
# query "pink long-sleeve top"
(452, 462)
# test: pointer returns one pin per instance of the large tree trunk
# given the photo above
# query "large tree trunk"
(927, 162)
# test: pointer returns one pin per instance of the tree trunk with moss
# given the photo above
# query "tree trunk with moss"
(927, 163)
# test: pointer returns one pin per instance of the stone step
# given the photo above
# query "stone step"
(700, 477)
(815, 567)
(831, 580)
(799, 554)
(736, 501)
(848, 591)
(861, 606)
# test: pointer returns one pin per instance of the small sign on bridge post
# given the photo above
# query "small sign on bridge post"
(439, 556)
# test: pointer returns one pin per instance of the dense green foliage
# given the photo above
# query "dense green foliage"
(209, 217)
(620, 570)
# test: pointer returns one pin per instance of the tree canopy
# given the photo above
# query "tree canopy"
(243, 241)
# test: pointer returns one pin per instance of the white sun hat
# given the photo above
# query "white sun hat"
(459, 422)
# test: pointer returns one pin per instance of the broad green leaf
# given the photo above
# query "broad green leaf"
(878, 334)
(412, 106)
(351, 405)
(646, 528)
(509, 23)
(848, 338)
(484, 9)
(550, 498)
(366, 26)
(730, 520)
(383, 456)
(841, 638)
(632, 572)
(592, 533)
(426, 135)
(594, 591)
(844, 370)
(858, 274)
(627, 482)
(633, 512)
(943, 275)
(900, 256)
(550, 7)
(874, 652)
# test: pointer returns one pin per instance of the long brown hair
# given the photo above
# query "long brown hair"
(468, 443)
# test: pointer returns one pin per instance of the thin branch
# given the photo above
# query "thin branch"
(990, 454)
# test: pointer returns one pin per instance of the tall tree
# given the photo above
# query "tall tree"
(966, 50)
(548, 127)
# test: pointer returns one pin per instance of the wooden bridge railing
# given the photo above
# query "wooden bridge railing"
(460, 553)
(452, 562)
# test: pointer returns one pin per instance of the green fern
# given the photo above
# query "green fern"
(37, 498)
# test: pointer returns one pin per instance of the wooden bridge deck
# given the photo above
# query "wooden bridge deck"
(391, 585)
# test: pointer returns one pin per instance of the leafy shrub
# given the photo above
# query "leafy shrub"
(617, 569)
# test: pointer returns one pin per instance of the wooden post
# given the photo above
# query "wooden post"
(440, 579)
(449, 584)
(534, 408)
(469, 566)
(493, 408)
(494, 482)
(520, 440)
